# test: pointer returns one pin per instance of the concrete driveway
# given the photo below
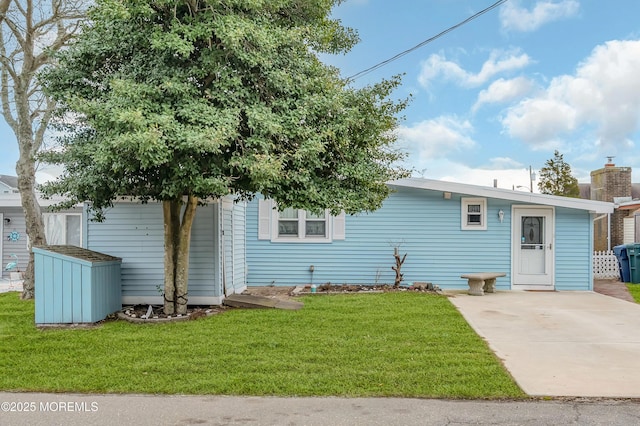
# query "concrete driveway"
(561, 343)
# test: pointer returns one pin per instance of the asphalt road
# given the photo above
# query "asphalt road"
(142, 410)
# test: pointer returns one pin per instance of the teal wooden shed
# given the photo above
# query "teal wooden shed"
(75, 285)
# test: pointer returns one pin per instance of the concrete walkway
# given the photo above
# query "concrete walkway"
(561, 343)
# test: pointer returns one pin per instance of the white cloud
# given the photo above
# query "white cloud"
(499, 62)
(540, 121)
(603, 95)
(432, 145)
(503, 91)
(436, 138)
(517, 18)
(508, 173)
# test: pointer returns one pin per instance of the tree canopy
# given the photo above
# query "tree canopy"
(556, 178)
(208, 98)
(197, 99)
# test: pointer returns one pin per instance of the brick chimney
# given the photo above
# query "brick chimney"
(606, 184)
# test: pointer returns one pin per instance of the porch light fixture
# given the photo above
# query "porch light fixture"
(446, 195)
(500, 215)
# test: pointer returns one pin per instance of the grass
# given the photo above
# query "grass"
(634, 289)
(393, 344)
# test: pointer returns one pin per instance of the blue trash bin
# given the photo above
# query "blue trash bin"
(623, 263)
(633, 252)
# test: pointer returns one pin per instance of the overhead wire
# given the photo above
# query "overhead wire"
(427, 41)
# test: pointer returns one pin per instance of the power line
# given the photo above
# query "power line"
(427, 41)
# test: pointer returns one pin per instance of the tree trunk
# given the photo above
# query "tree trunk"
(177, 242)
(25, 169)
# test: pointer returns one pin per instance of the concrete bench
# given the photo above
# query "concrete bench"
(482, 282)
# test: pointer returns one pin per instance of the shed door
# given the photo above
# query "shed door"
(533, 260)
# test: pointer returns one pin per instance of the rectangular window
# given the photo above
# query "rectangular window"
(298, 226)
(288, 223)
(63, 228)
(315, 225)
(474, 214)
(301, 224)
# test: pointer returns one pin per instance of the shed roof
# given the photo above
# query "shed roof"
(599, 207)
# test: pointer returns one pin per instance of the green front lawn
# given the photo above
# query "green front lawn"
(634, 289)
(392, 344)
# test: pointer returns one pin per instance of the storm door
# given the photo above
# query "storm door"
(533, 258)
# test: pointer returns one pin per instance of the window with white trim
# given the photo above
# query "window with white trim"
(63, 228)
(297, 225)
(294, 223)
(474, 214)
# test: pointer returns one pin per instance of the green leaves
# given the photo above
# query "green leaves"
(556, 178)
(215, 97)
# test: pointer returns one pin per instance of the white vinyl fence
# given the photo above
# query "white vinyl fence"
(605, 265)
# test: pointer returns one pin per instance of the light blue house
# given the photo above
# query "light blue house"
(134, 232)
(446, 229)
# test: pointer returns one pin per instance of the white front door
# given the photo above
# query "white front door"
(532, 242)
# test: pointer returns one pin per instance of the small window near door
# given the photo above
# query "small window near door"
(474, 214)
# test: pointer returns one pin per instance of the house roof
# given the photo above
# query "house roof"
(599, 207)
(9, 181)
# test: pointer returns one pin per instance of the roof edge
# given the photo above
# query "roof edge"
(593, 206)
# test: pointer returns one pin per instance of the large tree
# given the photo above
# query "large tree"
(184, 101)
(31, 32)
(556, 178)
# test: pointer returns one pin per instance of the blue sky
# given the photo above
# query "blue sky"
(502, 92)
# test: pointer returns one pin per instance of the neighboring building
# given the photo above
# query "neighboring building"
(8, 184)
(446, 229)
(63, 227)
(613, 184)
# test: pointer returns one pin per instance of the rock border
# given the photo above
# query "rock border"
(159, 320)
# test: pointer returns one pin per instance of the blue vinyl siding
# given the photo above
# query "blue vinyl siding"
(420, 222)
(19, 248)
(134, 232)
(574, 250)
(428, 228)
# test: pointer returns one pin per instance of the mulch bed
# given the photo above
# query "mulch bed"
(140, 313)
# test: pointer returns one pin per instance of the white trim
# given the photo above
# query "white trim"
(301, 238)
(505, 194)
(268, 218)
(340, 227)
(15, 200)
(465, 202)
(515, 228)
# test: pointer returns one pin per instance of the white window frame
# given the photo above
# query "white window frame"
(465, 224)
(268, 226)
(302, 227)
(64, 231)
